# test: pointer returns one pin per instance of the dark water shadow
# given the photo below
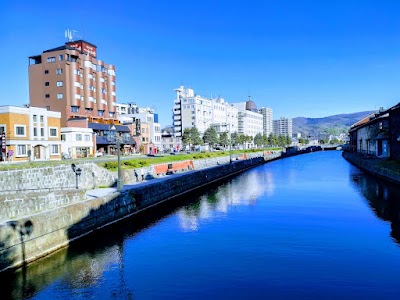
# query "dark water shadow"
(382, 196)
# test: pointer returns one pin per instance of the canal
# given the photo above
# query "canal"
(305, 227)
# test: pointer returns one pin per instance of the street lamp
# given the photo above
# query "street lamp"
(78, 172)
(118, 140)
(230, 142)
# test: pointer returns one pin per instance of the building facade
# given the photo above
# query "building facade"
(283, 126)
(267, 120)
(71, 79)
(250, 121)
(29, 133)
(191, 110)
(77, 142)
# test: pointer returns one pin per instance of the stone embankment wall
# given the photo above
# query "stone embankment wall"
(373, 166)
(26, 239)
(60, 177)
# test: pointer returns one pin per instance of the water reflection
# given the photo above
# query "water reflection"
(383, 197)
(241, 191)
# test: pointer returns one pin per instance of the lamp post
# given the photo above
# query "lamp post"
(230, 143)
(118, 140)
(78, 172)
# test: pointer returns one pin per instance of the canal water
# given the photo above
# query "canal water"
(305, 227)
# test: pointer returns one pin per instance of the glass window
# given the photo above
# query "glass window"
(34, 131)
(41, 131)
(63, 137)
(59, 71)
(51, 59)
(47, 83)
(60, 95)
(54, 149)
(111, 114)
(21, 149)
(59, 83)
(53, 132)
(61, 57)
(20, 130)
(74, 108)
(79, 137)
(34, 118)
(46, 71)
(87, 138)
(47, 96)
(42, 119)
(100, 112)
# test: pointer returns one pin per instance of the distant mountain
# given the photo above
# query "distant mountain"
(332, 125)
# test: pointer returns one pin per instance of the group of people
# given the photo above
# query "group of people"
(137, 175)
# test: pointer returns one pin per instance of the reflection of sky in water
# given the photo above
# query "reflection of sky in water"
(241, 191)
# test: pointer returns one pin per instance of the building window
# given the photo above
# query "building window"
(54, 149)
(35, 131)
(47, 96)
(53, 132)
(100, 113)
(51, 59)
(46, 71)
(87, 138)
(2, 129)
(20, 130)
(61, 57)
(63, 137)
(21, 150)
(34, 118)
(41, 119)
(111, 114)
(47, 83)
(60, 95)
(41, 131)
(59, 71)
(78, 137)
(48, 107)
(89, 110)
(59, 83)
(74, 108)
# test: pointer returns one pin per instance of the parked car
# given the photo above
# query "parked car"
(98, 154)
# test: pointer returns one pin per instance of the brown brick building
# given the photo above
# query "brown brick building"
(70, 79)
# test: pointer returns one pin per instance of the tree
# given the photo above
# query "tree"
(210, 136)
(264, 140)
(187, 138)
(288, 141)
(195, 136)
(258, 139)
(223, 139)
(241, 139)
(234, 139)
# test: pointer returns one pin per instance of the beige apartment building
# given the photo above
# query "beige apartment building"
(71, 80)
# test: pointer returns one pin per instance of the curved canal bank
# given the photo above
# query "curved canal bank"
(389, 170)
(28, 238)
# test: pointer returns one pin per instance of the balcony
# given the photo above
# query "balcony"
(177, 118)
(177, 123)
(177, 106)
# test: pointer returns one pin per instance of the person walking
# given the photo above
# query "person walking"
(142, 173)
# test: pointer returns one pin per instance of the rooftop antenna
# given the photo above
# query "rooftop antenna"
(68, 35)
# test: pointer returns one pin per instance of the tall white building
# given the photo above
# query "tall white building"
(283, 126)
(267, 120)
(193, 110)
(250, 121)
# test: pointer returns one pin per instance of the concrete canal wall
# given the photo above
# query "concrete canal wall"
(28, 238)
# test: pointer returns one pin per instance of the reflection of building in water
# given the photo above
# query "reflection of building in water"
(383, 198)
(243, 190)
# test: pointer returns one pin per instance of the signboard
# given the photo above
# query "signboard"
(3, 142)
(84, 48)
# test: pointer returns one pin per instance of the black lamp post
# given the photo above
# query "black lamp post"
(118, 140)
(78, 172)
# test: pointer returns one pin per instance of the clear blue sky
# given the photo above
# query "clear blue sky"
(301, 58)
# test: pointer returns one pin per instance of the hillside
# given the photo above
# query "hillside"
(328, 125)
